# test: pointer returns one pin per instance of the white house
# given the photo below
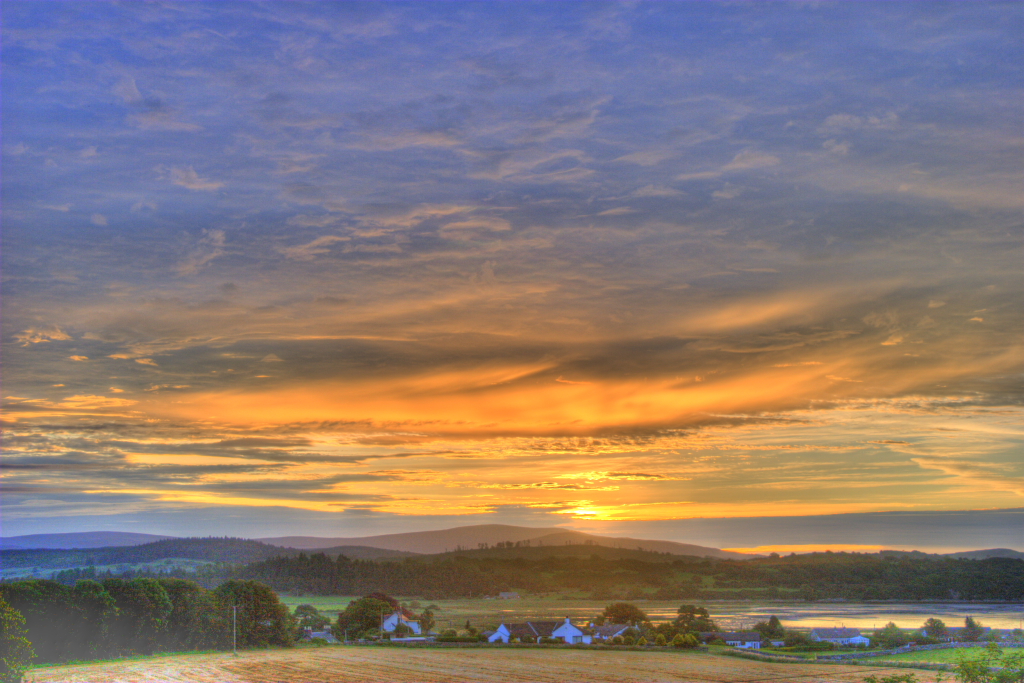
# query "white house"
(397, 617)
(533, 631)
(749, 640)
(839, 636)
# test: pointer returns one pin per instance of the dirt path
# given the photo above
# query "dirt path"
(394, 665)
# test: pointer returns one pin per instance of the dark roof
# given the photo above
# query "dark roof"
(609, 630)
(544, 628)
(533, 629)
(835, 632)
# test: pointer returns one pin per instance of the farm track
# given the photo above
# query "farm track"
(436, 665)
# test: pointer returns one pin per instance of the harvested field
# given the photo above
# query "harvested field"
(405, 665)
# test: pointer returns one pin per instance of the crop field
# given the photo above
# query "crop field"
(487, 665)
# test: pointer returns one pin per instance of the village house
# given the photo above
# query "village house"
(606, 632)
(534, 631)
(840, 636)
(309, 634)
(750, 640)
(401, 616)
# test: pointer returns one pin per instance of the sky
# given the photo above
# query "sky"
(744, 274)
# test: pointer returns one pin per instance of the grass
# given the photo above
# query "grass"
(949, 656)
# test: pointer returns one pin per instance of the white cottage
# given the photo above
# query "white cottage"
(840, 636)
(403, 617)
(533, 631)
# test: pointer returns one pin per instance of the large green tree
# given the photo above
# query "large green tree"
(935, 628)
(624, 613)
(195, 621)
(143, 608)
(771, 629)
(693, 619)
(972, 631)
(362, 615)
(15, 649)
(890, 636)
(261, 618)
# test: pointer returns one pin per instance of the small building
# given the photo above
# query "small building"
(404, 617)
(309, 634)
(606, 632)
(840, 636)
(534, 631)
(748, 640)
(508, 595)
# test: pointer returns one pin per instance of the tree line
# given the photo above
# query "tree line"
(815, 576)
(117, 617)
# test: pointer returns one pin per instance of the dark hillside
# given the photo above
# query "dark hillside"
(232, 550)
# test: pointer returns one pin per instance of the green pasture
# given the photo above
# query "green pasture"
(949, 656)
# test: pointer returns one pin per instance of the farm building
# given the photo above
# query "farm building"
(839, 636)
(534, 631)
(750, 640)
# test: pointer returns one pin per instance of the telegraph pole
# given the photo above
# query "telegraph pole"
(234, 630)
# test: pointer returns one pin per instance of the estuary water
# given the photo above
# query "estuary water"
(865, 616)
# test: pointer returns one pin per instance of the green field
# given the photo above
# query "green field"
(950, 656)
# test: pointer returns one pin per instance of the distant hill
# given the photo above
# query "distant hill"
(84, 539)
(234, 550)
(985, 554)
(965, 555)
(473, 537)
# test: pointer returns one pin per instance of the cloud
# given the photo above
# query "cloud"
(98, 219)
(187, 177)
(209, 247)
(126, 89)
(648, 158)
(78, 358)
(310, 250)
(750, 159)
(35, 335)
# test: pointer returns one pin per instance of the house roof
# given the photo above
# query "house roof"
(610, 630)
(835, 632)
(533, 629)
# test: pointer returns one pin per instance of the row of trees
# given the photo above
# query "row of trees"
(815, 576)
(116, 617)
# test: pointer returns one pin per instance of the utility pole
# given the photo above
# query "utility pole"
(234, 630)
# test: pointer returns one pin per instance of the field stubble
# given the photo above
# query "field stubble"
(486, 665)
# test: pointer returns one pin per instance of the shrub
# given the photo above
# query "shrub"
(660, 640)
(642, 641)
(685, 640)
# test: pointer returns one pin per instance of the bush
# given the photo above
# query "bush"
(685, 640)
(660, 640)
(642, 641)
